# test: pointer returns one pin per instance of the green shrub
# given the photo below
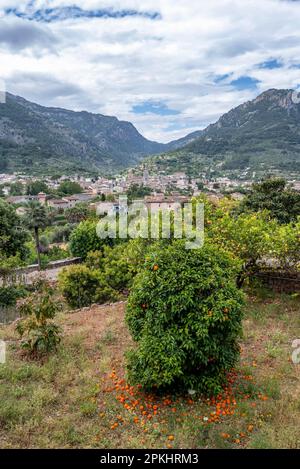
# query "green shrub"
(82, 286)
(94, 260)
(61, 234)
(56, 253)
(184, 312)
(10, 294)
(40, 335)
(85, 239)
(114, 264)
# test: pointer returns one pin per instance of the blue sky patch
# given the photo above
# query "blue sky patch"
(48, 15)
(154, 107)
(271, 64)
(244, 83)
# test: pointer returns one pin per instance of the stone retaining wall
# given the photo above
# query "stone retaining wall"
(282, 282)
(51, 265)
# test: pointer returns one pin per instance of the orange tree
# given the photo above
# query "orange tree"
(251, 238)
(184, 312)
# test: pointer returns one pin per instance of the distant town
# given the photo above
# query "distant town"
(15, 188)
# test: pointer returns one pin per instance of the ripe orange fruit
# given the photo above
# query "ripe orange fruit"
(155, 267)
(171, 437)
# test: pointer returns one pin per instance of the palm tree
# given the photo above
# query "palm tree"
(36, 218)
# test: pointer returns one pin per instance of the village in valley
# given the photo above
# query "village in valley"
(160, 188)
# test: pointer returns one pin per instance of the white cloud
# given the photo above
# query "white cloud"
(109, 65)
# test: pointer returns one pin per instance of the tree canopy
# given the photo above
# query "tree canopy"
(273, 195)
(12, 234)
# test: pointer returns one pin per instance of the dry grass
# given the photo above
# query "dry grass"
(77, 398)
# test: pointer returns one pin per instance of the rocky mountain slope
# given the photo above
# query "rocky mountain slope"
(260, 134)
(34, 137)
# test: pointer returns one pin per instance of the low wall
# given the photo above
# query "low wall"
(51, 265)
(282, 282)
(24, 275)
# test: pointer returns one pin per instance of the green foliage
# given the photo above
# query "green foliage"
(56, 253)
(184, 312)
(61, 234)
(250, 237)
(272, 194)
(94, 260)
(16, 188)
(9, 264)
(255, 239)
(69, 188)
(36, 215)
(36, 218)
(12, 234)
(287, 246)
(114, 265)
(138, 192)
(85, 239)
(44, 244)
(82, 286)
(35, 187)
(10, 293)
(77, 214)
(40, 334)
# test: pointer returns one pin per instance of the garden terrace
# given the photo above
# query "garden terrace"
(78, 397)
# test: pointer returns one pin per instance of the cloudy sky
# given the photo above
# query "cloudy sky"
(168, 66)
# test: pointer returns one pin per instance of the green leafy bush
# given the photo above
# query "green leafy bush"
(82, 286)
(61, 234)
(184, 312)
(114, 264)
(287, 246)
(13, 236)
(10, 294)
(119, 264)
(85, 239)
(94, 260)
(40, 335)
(272, 194)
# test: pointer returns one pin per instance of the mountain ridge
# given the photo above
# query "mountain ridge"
(31, 134)
(262, 134)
